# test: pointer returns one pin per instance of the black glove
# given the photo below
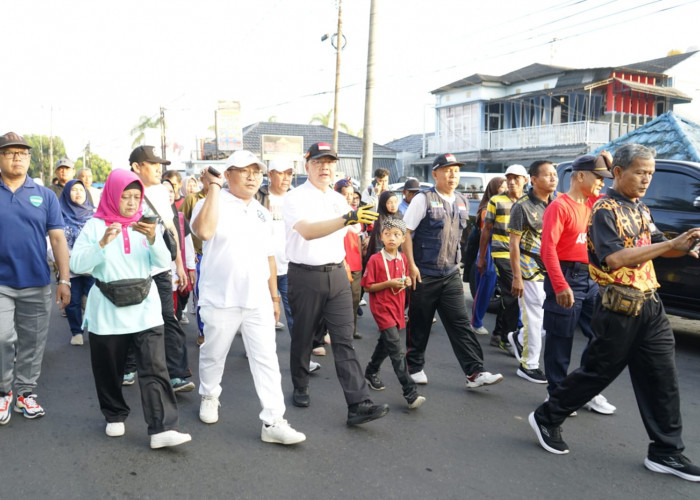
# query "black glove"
(362, 214)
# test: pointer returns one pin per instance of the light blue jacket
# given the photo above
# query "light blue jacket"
(110, 263)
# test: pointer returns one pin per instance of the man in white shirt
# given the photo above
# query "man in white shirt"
(319, 289)
(238, 289)
(148, 166)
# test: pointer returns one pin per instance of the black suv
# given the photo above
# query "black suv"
(674, 200)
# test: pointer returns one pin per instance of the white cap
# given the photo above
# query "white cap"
(517, 170)
(280, 165)
(242, 159)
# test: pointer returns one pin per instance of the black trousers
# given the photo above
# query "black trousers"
(174, 338)
(646, 345)
(108, 357)
(444, 295)
(317, 296)
(389, 346)
(509, 312)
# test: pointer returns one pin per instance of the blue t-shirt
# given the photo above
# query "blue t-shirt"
(26, 216)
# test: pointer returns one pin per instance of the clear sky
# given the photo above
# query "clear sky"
(89, 69)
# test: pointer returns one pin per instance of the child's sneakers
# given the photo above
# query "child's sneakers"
(374, 381)
(27, 405)
(414, 400)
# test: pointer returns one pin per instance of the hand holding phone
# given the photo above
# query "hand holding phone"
(148, 220)
(214, 172)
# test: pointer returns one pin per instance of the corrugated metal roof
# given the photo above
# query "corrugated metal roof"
(673, 137)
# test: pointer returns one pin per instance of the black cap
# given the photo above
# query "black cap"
(13, 139)
(319, 150)
(446, 160)
(411, 184)
(146, 153)
(587, 162)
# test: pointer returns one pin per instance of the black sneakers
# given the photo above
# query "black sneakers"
(678, 465)
(374, 382)
(301, 397)
(360, 413)
(549, 437)
(534, 375)
(516, 347)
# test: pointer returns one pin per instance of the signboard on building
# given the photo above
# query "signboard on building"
(229, 131)
(282, 147)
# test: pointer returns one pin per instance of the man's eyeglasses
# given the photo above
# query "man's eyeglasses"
(12, 154)
(246, 172)
(319, 162)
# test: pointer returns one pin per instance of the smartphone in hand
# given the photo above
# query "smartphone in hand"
(214, 171)
(148, 220)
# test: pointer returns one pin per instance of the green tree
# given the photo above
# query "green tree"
(39, 165)
(325, 120)
(144, 123)
(321, 119)
(100, 167)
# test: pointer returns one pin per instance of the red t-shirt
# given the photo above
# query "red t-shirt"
(387, 307)
(564, 227)
(353, 255)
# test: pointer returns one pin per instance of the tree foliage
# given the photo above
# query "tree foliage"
(325, 120)
(100, 167)
(144, 123)
(40, 164)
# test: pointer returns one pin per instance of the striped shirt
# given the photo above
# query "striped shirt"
(498, 214)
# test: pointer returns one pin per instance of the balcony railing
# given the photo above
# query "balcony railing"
(591, 133)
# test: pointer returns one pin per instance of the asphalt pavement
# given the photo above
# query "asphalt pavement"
(460, 444)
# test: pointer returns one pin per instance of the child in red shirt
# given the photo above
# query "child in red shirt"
(385, 280)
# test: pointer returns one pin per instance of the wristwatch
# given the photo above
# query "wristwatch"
(64, 282)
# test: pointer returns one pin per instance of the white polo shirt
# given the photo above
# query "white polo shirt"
(309, 203)
(234, 268)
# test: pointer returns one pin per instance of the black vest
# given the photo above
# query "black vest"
(436, 239)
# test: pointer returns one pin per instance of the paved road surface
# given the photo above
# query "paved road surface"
(460, 444)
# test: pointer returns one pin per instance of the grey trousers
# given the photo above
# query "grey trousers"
(24, 327)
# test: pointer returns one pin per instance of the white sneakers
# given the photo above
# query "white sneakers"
(209, 409)
(481, 330)
(480, 379)
(600, 405)
(115, 429)
(77, 339)
(169, 438)
(281, 432)
(314, 366)
(420, 377)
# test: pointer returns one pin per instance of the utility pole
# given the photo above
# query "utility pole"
(338, 48)
(162, 132)
(50, 178)
(86, 153)
(367, 144)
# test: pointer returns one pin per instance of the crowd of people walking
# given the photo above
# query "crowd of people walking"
(130, 259)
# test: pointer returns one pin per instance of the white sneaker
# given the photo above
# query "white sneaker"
(279, 326)
(115, 429)
(480, 379)
(363, 302)
(313, 366)
(77, 339)
(209, 409)
(281, 432)
(169, 438)
(319, 351)
(6, 408)
(600, 405)
(481, 330)
(420, 377)
(185, 320)
(326, 339)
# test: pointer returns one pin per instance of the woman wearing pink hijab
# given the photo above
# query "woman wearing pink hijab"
(123, 308)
